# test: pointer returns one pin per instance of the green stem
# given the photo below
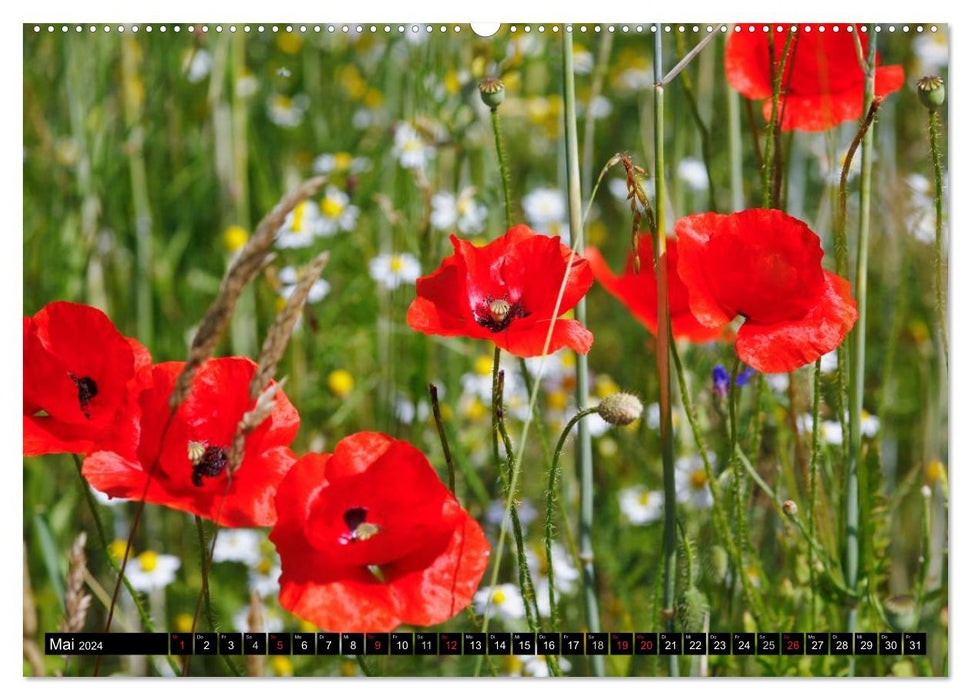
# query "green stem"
(584, 452)
(670, 535)
(552, 489)
(99, 528)
(722, 528)
(813, 473)
(703, 130)
(440, 424)
(769, 163)
(858, 346)
(200, 533)
(735, 150)
(503, 168)
(939, 231)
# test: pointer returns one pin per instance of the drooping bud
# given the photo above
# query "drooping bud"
(492, 92)
(790, 508)
(930, 89)
(620, 409)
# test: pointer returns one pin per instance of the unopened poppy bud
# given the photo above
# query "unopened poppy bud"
(901, 613)
(692, 606)
(492, 92)
(930, 89)
(620, 409)
(790, 508)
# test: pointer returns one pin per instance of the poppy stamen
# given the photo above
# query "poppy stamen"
(87, 390)
(360, 529)
(211, 463)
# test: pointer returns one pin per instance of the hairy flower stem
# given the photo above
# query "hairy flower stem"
(99, 528)
(813, 474)
(670, 541)
(440, 424)
(201, 535)
(552, 490)
(735, 150)
(503, 168)
(771, 162)
(858, 349)
(722, 527)
(584, 451)
(939, 287)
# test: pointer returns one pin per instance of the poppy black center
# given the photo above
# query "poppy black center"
(87, 390)
(212, 463)
(354, 518)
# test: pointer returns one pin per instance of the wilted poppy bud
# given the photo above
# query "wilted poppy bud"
(492, 92)
(620, 409)
(930, 89)
(790, 508)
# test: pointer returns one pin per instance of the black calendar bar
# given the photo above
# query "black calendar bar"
(109, 644)
(493, 643)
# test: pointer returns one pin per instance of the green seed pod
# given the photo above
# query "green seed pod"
(492, 92)
(692, 606)
(930, 89)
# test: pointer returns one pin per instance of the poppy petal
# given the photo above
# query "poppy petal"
(693, 234)
(788, 345)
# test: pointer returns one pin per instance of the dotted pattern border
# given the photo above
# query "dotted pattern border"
(445, 28)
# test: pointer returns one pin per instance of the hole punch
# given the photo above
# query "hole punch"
(485, 29)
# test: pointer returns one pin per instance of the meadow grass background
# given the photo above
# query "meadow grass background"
(147, 156)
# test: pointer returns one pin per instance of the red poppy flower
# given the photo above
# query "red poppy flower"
(506, 292)
(638, 291)
(81, 381)
(766, 266)
(369, 538)
(191, 471)
(822, 85)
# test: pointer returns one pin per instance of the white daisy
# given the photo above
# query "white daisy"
(691, 481)
(391, 270)
(242, 545)
(287, 112)
(336, 212)
(410, 149)
(497, 508)
(582, 61)
(504, 600)
(779, 383)
(264, 578)
(828, 362)
(640, 505)
(932, 52)
(300, 226)
(152, 572)
(462, 212)
(272, 620)
(692, 172)
(341, 162)
(247, 85)
(289, 276)
(566, 575)
(196, 64)
(536, 667)
(406, 411)
(544, 207)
